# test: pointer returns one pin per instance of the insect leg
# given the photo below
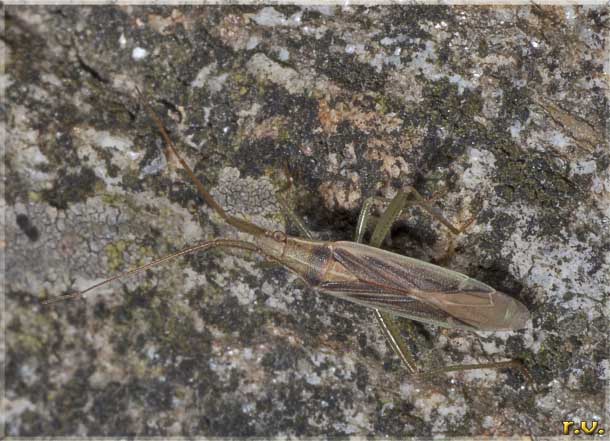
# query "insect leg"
(388, 326)
(432, 211)
(408, 196)
(363, 218)
(285, 186)
(515, 364)
(294, 218)
(413, 197)
(435, 213)
(240, 224)
(387, 219)
(387, 323)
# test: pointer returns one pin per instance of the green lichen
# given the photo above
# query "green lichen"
(114, 253)
(34, 196)
(112, 199)
(550, 358)
(31, 340)
(29, 343)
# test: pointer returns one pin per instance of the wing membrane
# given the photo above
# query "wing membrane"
(393, 301)
(437, 295)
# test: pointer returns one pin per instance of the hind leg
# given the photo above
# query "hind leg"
(387, 324)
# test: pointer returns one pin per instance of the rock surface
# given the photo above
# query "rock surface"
(499, 112)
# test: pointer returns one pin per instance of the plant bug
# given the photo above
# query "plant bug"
(386, 282)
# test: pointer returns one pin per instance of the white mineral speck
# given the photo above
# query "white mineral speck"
(122, 41)
(584, 167)
(283, 54)
(202, 76)
(252, 42)
(139, 53)
(107, 140)
(558, 139)
(296, 17)
(151, 353)
(313, 379)
(482, 164)
(155, 166)
(215, 83)
(134, 155)
(270, 17)
(248, 407)
(515, 129)
(488, 422)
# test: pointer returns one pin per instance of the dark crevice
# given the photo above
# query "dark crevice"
(91, 70)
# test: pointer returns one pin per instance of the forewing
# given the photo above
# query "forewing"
(392, 270)
(455, 299)
(393, 301)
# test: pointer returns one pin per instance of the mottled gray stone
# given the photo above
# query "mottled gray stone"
(501, 112)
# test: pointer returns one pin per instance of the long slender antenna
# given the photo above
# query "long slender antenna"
(240, 224)
(227, 243)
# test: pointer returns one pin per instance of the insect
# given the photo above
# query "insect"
(390, 284)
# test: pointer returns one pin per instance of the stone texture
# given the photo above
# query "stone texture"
(501, 112)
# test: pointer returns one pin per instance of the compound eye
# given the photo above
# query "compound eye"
(279, 236)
